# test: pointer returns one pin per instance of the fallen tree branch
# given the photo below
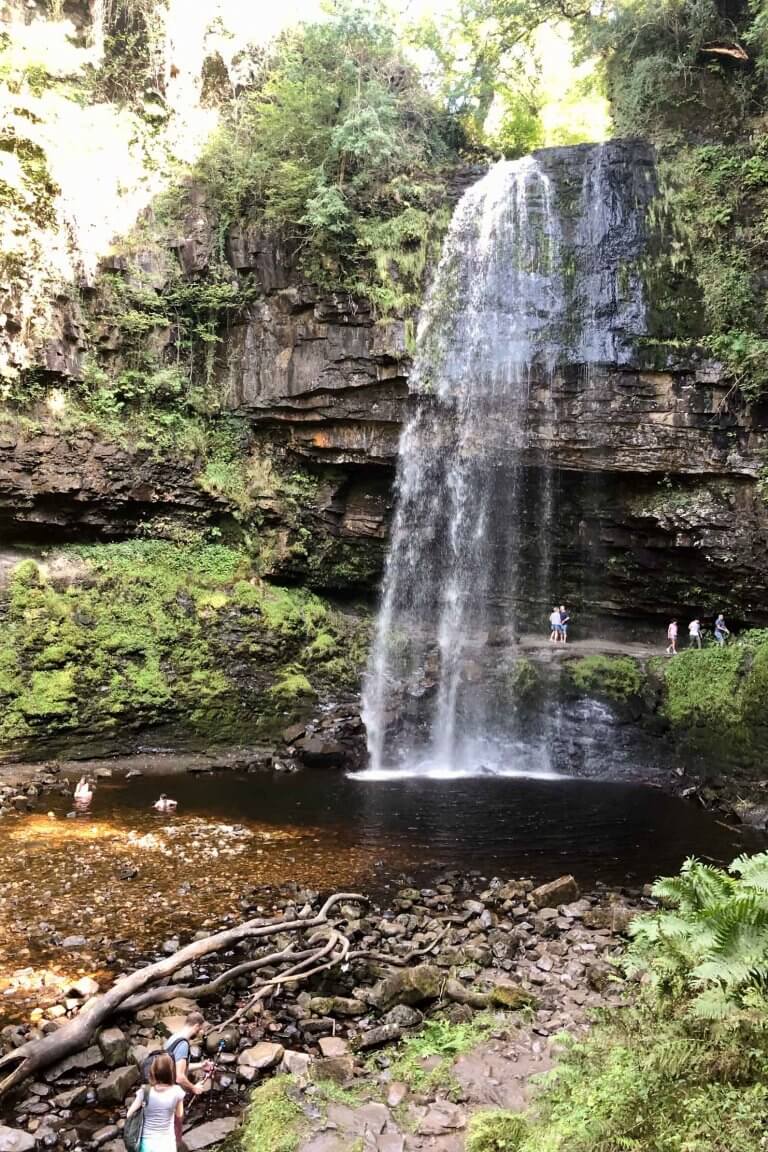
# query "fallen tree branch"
(36, 1055)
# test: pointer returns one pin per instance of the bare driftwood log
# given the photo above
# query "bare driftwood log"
(37, 1055)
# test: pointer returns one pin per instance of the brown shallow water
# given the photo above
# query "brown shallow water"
(235, 836)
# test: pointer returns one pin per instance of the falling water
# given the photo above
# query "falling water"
(473, 519)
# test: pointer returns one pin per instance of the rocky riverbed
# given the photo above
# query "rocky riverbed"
(531, 959)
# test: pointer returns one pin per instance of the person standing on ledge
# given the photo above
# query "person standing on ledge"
(720, 629)
(694, 633)
(564, 622)
(672, 637)
(554, 623)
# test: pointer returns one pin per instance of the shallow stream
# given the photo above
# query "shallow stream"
(124, 880)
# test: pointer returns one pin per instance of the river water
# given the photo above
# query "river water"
(125, 879)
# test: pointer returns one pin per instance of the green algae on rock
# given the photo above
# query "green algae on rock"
(155, 636)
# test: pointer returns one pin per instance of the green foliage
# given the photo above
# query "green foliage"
(497, 1131)
(274, 1121)
(718, 694)
(331, 149)
(649, 1083)
(617, 677)
(709, 943)
(157, 633)
(424, 1060)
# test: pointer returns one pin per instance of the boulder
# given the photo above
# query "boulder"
(338, 1069)
(15, 1140)
(84, 988)
(512, 997)
(564, 890)
(333, 1046)
(614, 916)
(320, 752)
(206, 1135)
(114, 1088)
(261, 1057)
(114, 1047)
(295, 1063)
(80, 1062)
(376, 1037)
(407, 986)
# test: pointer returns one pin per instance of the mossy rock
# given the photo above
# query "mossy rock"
(616, 677)
(512, 997)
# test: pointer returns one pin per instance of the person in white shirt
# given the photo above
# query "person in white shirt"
(554, 623)
(164, 1105)
(694, 634)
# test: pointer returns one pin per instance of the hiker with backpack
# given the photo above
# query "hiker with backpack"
(156, 1113)
(179, 1048)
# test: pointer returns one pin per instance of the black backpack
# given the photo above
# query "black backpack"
(148, 1060)
(134, 1125)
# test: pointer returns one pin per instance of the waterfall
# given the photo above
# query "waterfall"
(473, 519)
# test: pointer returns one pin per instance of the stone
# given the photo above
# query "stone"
(347, 1006)
(615, 917)
(396, 1094)
(74, 943)
(338, 1069)
(512, 997)
(114, 1047)
(15, 1140)
(403, 1016)
(291, 734)
(261, 1057)
(376, 1037)
(319, 752)
(114, 1088)
(295, 1063)
(408, 986)
(84, 988)
(210, 1133)
(440, 1118)
(104, 1135)
(564, 890)
(333, 1046)
(79, 1062)
(599, 976)
(72, 1098)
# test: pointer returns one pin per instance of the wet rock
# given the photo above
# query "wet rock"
(615, 917)
(222, 1040)
(599, 976)
(564, 890)
(318, 752)
(213, 1132)
(291, 735)
(114, 1088)
(74, 943)
(72, 1098)
(346, 1006)
(113, 1046)
(408, 986)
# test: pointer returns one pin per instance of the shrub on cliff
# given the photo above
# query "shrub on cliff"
(338, 146)
(617, 677)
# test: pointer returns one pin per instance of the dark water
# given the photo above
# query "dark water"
(611, 832)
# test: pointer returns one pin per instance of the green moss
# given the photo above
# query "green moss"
(705, 686)
(274, 1121)
(292, 687)
(617, 677)
(156, 635)
(497, 1131)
